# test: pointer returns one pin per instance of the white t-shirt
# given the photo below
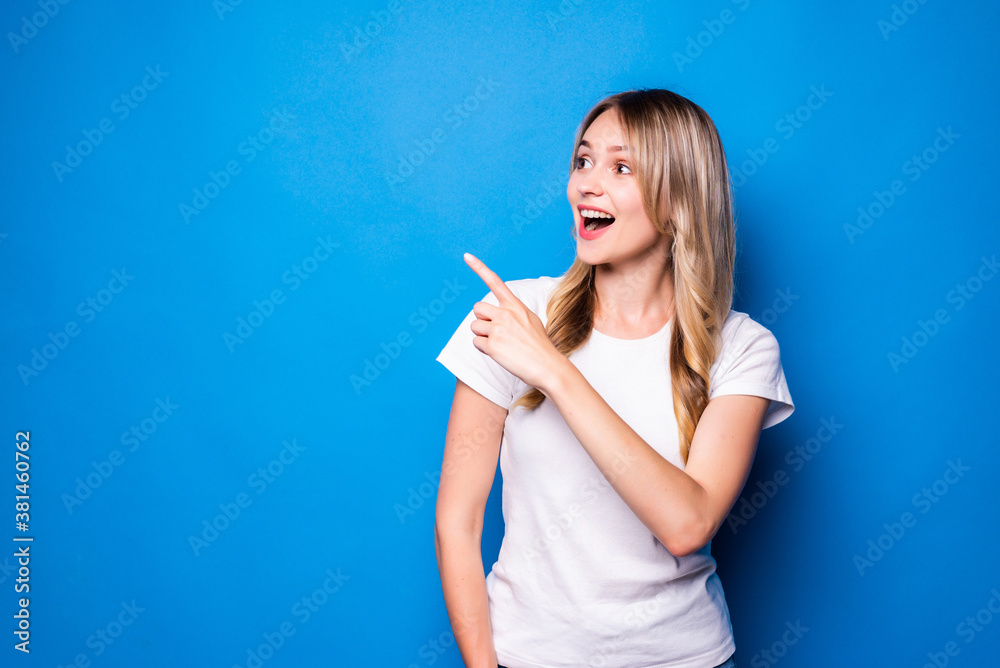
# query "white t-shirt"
(579, 580)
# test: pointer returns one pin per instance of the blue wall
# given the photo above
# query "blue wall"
(218, 216)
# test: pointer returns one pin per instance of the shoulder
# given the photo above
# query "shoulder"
(740, 326)
(749, 362)
(530, 287)
(742, 334)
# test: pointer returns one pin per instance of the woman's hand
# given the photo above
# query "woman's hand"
(512, 334)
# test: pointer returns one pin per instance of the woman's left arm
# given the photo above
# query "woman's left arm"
(683, 508)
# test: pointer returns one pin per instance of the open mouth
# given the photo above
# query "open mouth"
(596, 220)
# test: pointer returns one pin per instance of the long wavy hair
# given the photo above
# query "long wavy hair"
(681, 170)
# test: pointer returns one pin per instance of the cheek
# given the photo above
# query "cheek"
(631, 205)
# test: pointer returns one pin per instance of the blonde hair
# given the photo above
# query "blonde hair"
(682, 174)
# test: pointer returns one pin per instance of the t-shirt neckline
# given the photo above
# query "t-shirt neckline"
(633, 342)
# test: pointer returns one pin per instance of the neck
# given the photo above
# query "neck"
(634, 299)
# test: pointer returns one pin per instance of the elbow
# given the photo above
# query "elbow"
(446, 539)
(688, 538)
(441, 534)
(449, 529)
(437, 542)
(685, 544)
(684, 549)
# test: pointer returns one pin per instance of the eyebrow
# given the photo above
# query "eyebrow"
(611, 149)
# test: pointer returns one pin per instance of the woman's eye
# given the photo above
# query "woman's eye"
(620, 167)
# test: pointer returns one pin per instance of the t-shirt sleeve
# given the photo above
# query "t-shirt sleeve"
(750, 363)
(474, 367)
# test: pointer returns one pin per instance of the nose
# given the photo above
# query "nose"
(590, 183)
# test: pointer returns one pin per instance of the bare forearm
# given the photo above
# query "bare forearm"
(464, 586)
(667, 500)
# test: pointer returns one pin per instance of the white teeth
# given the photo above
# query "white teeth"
(591, 225)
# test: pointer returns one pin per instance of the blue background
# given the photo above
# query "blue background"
(375, 161)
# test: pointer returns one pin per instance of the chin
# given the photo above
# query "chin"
(588, 256)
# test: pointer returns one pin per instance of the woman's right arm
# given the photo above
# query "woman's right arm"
(472, 447)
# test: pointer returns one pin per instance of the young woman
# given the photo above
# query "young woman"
(624, 400)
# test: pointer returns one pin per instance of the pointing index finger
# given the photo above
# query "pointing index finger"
(490, 278)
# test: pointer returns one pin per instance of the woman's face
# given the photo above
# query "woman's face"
(603, 181)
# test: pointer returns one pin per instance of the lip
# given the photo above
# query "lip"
(583, 231)
(592, 208)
